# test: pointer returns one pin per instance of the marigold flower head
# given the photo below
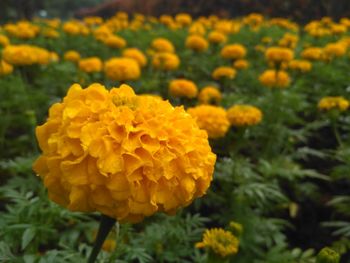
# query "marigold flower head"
(328, 103)
(5, 68)
(196, 43)
(122, 69)
(72, 55)
(165, 61)
(244, 115)
(183, 88)
(23, 55)
(90, 65)
(333, 50)
(241, 64)
(300, 65)
(212, 119)
(183, 19)
(135, 54)
(217, 37)
(234, 51)
(162, 45)
(279, 54)
(288, 41)
(197, 29)
(115, 41)
(50, 33)
(4, 41)
(93, 20)
(209, 95)
(75, 28)
(119, 154)
(274, 79)
(219, 241)
(224, 72)
(312, 53)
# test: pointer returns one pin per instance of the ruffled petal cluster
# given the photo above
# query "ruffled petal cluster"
(328, 103)
(209, 95)
(90, 65)
(244, 115)
(183, 88)
(123, 155)
(275, 79)
(122, 69)
(24, 55)
(213, 119)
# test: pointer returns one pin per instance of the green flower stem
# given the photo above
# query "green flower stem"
(106, 225)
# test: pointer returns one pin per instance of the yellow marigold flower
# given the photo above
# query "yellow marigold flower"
(122, 69)
(338, 29)
(312, 53)
(275, 79)
(196, 43)
(75, 28)
(22, 29)
(50, 33)
(234, 51)
(224, 72)
(119, 154)
(328, 103)
(162, 45)
(241, 64)
(109, 245)
(217, 37)
(221, 242)
(4, 41)
(212, 119)
(197, 29)
(165, 61)
(166, 20)
(72, 55)
(209, 95)
(279, 54)
(260, 48)
(22, 55)
(332, 50)
(135, 54)
(266, 40)
(300, 65)
(183, 19)
(93, 20)
(102, 33)
(90, 65)
(183, 88)
(288, 41)
(5, 68)
(54, 57)
(115, 41)
(244, 115)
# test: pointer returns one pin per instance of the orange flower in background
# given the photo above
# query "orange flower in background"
(196, 43)
(115, 41)
(122, 69)
(241, 64)
(328, 103)
(217, 37)
(279, 55)
(4, 41)
(244, 115)
(209, 95)
(119, 154)
(224, 72)
(90, 65)
(212, 119)
(274, 79)
(72, 55)
(183, 19)
(25, 55)
(5, 68)
(135, 54)
(162, 45)
(300, 65)
(234, 51)
(312, 53)
(183, 88)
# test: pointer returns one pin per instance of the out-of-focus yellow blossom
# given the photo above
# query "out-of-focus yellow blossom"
(284, 23)
(4, 41)
(277, 55)
(115, 41)
(241, 64)
(109, 245)
(71, 55)
(345, 21)
(22, 55)
(333, 50)
(312, 53)
(93, 20)
(162, 45)
(5, 68)
(166, 20)
(75, 28)
(197, 29)
(54, 57)
(209, 95)
(22, 29)
(234, 51)
(300, 65)
(197, 43)
(183, 19)
(266, 40)
(338, 29)
(122, 69)
(288, 41)
(165, 61)
(222, 243)
(224, 72)
(328, 103)
(90, 65)
(260, 48)
(274, 79)
(212, 119)
(119, 154)
(135, 54)
(244, 115)
(183, 88)
(217, 37)
(102, 33)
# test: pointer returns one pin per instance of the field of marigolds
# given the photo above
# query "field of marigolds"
(175, 139)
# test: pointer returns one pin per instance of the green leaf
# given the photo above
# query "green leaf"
(27, 237)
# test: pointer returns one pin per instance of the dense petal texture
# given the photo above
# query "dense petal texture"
(123, 155)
